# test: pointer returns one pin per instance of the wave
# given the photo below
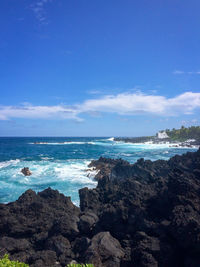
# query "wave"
(46, 158)
(110, 139)
(73, 171)
(106, 139)
(152, 146)
(62, 143)
(5, 164)
(67, 176)
(145, 145)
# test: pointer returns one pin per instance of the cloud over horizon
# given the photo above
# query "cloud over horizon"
(122, 104)
(28, 111)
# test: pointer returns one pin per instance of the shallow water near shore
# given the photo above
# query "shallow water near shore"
(61, 162)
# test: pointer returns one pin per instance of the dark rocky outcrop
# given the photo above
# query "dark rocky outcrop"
(145, 214)
(191, 140)
(151, 208)
(39, 227)
(104, 251)
(103, 166)
(118, 169)
(26, 171)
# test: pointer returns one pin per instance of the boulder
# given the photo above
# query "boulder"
(26, 171)
(59, 244)
(13, 245)
(104, 251)
(87, 222)
(104, 166)
(44, 258)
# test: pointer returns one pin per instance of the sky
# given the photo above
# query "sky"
(98, 67)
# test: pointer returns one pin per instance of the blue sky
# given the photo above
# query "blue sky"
(98, 68)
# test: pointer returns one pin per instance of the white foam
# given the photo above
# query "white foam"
(166, 152)
(46, 158)
(47, 172)
(74, 143)
(5, 164)
(148, 142)
(74, 172)
(160, 145)
(146, 145)
(62, 143)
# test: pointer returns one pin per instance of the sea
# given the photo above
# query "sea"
(62, 162)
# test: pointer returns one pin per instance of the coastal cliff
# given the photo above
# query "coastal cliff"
(145, 214)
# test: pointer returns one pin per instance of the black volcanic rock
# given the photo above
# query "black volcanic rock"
(160, 199)
(38, 222)
(87, 222)
(26, 171)
(104, 251)
(120, 169)
(145, 214)
(59, 244)
(104, 166)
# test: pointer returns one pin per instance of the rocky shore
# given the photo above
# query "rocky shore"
(145, 214)
(192, 143)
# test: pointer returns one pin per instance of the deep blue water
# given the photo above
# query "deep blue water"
(61, 162)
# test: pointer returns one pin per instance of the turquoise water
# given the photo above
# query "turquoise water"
(61, 163)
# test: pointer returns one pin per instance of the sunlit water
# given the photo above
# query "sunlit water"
(61, 163)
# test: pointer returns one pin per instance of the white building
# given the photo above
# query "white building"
(162, 135)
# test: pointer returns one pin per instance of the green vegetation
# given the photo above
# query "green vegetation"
(5, 262)
(184, 133)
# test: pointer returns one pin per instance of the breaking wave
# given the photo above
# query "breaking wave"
(5, 164)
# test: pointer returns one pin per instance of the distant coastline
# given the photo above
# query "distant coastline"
(184, 137)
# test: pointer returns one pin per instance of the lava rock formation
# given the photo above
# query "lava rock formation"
(145, 214)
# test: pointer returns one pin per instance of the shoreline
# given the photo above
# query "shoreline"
(176, 144)
(125, 220)
(67, 174)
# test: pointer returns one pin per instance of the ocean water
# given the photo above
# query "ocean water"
(61, 162)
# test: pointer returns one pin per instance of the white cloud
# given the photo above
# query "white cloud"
(38, 112)
(126, 103)
(178, 72)
(3, 117)
(186, 72)
(38, 9)
(121, 104)
(94, 92)
(139, 103)
(153, 91)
